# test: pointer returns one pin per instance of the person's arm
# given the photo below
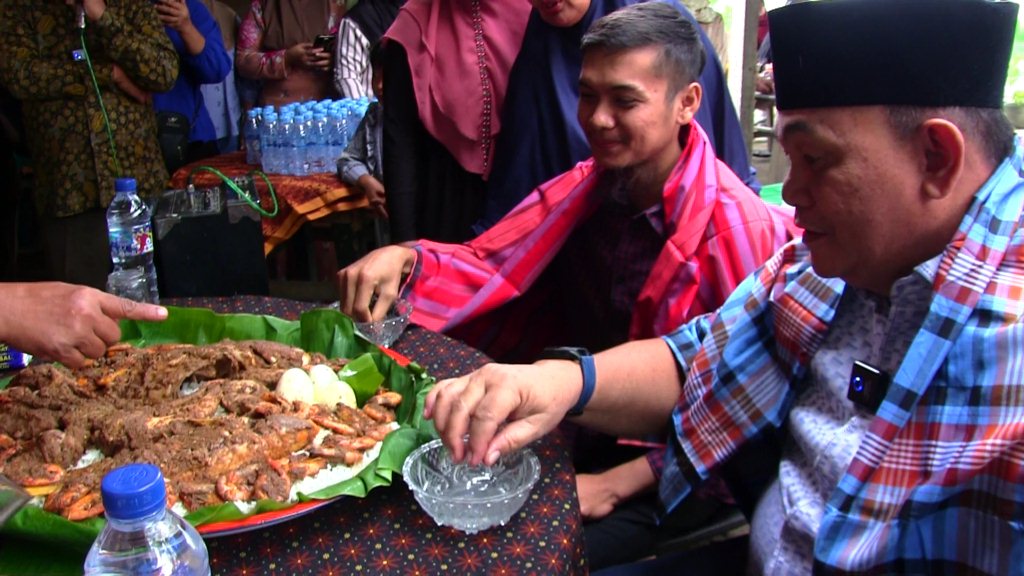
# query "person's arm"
(354, 171)
(377, 278)
(601, 493)
(30, 73)
(352, 163)
(505, 407)
(132, 37)
(250, 60)
(351, 61)
(206, 60)
(375, 195)
(65, 322)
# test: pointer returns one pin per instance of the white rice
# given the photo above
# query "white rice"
(91, 456)
(334, 473)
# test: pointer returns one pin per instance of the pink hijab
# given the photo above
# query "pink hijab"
(460, 84)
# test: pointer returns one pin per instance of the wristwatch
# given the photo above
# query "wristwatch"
(582, 357)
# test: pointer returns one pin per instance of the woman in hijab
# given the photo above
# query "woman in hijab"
(275, 45)
(543, 137)
(446, 65)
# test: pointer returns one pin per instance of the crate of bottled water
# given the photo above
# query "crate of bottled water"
(302, 138)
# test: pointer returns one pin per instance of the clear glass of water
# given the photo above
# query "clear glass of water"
(384, 332)
(469, 498)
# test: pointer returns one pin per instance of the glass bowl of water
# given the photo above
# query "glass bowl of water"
(384, 332)
(469, 498)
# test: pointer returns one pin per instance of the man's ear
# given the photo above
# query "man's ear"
(942, 144)
(688, 101)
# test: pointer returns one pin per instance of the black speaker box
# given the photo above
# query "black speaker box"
(208, 244)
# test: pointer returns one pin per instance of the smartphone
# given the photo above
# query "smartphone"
(325, 41)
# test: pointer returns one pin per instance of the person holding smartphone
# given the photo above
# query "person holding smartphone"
(324, 42)
(278, 44)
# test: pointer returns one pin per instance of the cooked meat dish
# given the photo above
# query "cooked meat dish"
(208, 416)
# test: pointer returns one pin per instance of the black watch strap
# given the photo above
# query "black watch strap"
(574, 353)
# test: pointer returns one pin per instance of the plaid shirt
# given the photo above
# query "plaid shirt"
(937, 484)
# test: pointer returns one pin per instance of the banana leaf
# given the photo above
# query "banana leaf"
(323, 330)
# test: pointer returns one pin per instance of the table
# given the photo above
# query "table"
(301, 199)
(386, 532)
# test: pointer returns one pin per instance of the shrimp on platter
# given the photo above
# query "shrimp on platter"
(209, 416)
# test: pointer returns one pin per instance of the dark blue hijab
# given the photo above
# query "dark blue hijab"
(540, 137)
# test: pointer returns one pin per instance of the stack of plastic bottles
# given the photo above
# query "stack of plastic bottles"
(302, 138)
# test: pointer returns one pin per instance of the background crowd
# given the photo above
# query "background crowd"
(454, 171)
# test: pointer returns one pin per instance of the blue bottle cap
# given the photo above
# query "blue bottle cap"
(133, 491)
(124, 185)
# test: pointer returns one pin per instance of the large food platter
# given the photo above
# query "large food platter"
(324, 331)
(262, 520)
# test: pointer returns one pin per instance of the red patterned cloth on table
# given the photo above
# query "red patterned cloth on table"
(387, 533)
(301, 199)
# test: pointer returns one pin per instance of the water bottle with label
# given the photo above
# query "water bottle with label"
(130, 232)
(141, 535)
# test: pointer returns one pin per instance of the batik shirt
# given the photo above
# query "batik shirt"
(937, 483)
(73, 164)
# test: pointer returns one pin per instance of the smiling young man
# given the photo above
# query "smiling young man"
(649, 232)
(862, 391)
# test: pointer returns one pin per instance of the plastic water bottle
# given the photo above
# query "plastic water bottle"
(338, 133)
(302, 144)
(351, 121)
(290, 153)
(319, 140)
(268, 143)
(130, 232)
(141, 535)
(252, 137)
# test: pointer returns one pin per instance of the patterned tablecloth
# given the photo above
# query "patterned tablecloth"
(386, 532)
(301, 199)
